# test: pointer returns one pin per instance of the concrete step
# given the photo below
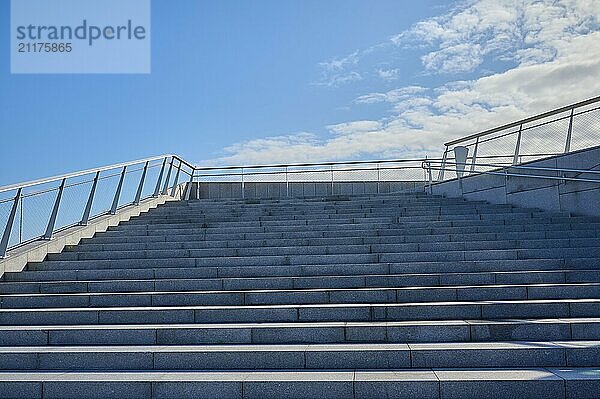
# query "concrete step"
(303, 332)
(185, 268)
(425, 251)
(302, 356)
(525, 224)
(403, 383)
(567, 230)
(388, 236)
(317, 220)
(578, 258)
(372, 244)
(357, 281)
(305, 214)
(499, 309)
(305, 296)
(274, 215)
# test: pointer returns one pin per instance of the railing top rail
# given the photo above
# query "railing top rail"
(524, 121)
(427, 164)
(209, 168)
(86, 172)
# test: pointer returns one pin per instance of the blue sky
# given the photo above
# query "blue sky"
(309, 80)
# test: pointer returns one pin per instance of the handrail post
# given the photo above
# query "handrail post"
(9, 225)
(378, 177)
(569, 132)
(243, 185)
(287, 183)
(160, 176)
(331, 167)
(176, 181)
(115, 204)
(52, 220)
(88, 206)
(430, 177)
(138, 194)
(21, 216)
(188, 190)
(166, 185)
(518, 146)
(474, 161)
(444, 158)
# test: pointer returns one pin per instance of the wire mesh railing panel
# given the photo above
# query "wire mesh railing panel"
(105, 193)
(151, 178)
(72, 204)
(267, 175)
(307, 175)
(33, 216)
(549, 138)
(503, 143)
(130, 185)
(586, 130)
(401, 172)
(366, 172)
(229, 176)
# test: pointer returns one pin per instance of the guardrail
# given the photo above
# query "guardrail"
(565, 129)
(530, 172)
(37, 209)
(330, 173)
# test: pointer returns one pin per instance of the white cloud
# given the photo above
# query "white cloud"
(389, 75)
(526, 32)
(336, 72)
(391, 96)
(339, 64)
(556, 49)
(337, 80)
(355, 127)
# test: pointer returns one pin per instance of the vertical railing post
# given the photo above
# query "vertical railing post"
(474, 161)
(21, 216)
(243, 185)
(331, 179)
(569, 132)
(518, 146)
(115, 204)
(166, 185)
(159, 180)
(430, 177)
(287, 183)
(378, 177)
(88, 206)
(54, 214)
(138, 194)
(444, 158)
(188, 190)
(176, 181)
(9, 225)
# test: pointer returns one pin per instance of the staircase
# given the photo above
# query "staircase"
(404, 296)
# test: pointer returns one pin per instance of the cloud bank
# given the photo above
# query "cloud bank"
(549, 53)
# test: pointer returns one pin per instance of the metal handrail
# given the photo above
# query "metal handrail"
(374, 169)
(163, 186)
(294, 165)
(524, 121)
(170, 162)
(52, 179)
(522, 129)
(504, 170)
(287, 170)
(499, 166)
